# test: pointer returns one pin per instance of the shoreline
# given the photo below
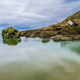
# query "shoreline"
(54, 35)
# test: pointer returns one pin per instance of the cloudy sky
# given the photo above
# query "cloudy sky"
(29, 14)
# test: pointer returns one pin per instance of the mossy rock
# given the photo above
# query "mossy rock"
(11, 32)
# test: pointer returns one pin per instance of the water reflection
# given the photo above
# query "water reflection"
(45, 40)
(33, 60)
(12, 42)
(71, 45)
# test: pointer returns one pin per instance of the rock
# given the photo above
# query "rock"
(57, 37)
(23, 33)
(32, 34)
(77, 37)
(45, 35)
(61, 38)
(35, 34)
(66, 38)
(11, 33)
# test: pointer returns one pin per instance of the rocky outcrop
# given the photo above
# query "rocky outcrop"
(11, 33)
(65, 38)
(61, 38)
(59, 35)
(40, 34)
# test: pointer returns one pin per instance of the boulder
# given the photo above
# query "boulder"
(11, 33)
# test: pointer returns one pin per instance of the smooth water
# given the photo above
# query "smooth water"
(36, 59)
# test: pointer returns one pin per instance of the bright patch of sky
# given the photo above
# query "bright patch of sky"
(29, 14)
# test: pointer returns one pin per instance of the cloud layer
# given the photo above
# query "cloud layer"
(35, 13)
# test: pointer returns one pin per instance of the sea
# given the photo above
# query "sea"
(39, 59)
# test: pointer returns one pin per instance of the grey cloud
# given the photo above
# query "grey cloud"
(35, 12)
(68, 1)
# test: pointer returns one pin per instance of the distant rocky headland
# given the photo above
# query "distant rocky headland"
(67, 30)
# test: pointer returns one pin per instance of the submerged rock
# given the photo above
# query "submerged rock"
(11, 33)
(45, 40)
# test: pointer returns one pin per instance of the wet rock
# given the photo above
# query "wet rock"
(77, 37)
(66, 38)
(61, 38)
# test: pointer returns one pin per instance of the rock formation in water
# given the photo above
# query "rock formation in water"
(11, 33)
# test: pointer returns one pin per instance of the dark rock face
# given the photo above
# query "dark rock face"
(11, 33)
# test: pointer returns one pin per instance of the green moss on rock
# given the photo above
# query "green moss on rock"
(11, 32)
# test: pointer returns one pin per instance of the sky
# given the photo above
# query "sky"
(32, 14)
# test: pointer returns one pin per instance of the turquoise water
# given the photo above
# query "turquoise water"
(36, 59)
